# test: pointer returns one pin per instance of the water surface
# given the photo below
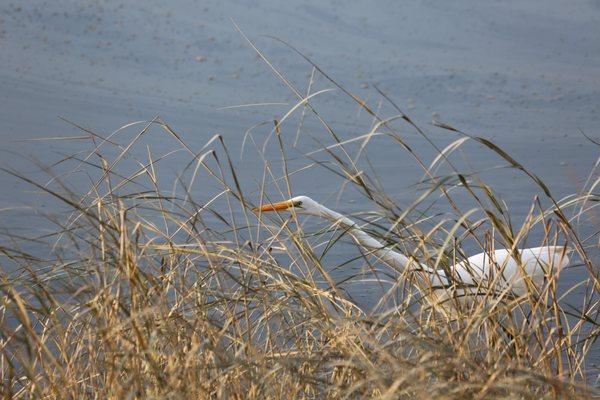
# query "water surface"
(525, 76)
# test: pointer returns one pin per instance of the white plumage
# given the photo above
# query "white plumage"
(497, 271)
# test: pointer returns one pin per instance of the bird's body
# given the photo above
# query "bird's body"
(535, 264)
(500, 271)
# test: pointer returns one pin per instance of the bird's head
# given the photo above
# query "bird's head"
(300, 205)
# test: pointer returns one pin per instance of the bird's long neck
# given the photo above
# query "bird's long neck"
(394, 259)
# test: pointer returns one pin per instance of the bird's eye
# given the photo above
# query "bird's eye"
(298, 204)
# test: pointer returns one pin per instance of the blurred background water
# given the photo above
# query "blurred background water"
(523, 74)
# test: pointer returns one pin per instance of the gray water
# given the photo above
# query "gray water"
(525, 74)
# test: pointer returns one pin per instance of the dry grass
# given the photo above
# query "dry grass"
(150, 293)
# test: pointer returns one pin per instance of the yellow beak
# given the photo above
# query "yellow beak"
(280, 206)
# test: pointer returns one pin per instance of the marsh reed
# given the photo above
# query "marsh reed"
(144, 291)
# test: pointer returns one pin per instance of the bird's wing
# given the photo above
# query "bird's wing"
(484, 268)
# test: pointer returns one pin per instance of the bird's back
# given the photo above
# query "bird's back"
(536, 263)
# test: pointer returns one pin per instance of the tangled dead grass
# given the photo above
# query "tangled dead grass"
(150, 293)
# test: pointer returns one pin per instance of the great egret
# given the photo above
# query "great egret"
(497, 271)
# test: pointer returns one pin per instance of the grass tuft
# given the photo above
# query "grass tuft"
(144, 290)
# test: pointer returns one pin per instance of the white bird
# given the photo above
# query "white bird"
(495, 272)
